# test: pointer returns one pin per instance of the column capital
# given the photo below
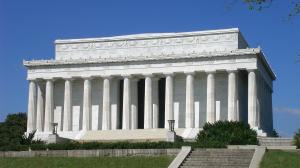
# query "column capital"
(189, 72)
(232, 70)
(210, 71)
(169, 73)
(87, 77)
(40, 80)
(251, 70)
(49, 79)
(106, 76)
(126, 75)
(68, 78)
(148, 75)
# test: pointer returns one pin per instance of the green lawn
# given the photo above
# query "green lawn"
(281, 159)
(99, 162)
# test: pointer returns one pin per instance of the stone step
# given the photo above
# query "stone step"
(267, 141)
(224, 150)
(219, 159)
(231, 166)
(218, 155)
(220, 165)
(214, 162)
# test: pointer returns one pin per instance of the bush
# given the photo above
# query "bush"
(297, 138)
(72, 145)
(223, 133)
(274, 134)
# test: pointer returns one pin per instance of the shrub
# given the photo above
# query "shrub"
(297, 138)
(274, 133)
(29, 139)
(38, 146)
(72, 145)
(223, 133)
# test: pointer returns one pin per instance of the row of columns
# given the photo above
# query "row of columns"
(130, 102)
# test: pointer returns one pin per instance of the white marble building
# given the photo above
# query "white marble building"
(140, 81)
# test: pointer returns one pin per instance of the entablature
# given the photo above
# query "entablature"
(162, 56)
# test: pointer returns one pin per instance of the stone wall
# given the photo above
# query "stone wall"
(91, 153)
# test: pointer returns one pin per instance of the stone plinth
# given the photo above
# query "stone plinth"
(54, 138)
(171, 136)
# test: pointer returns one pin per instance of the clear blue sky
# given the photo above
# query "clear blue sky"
(28, 30)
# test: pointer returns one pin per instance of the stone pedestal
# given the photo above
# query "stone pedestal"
(54, 138)
(171, 136)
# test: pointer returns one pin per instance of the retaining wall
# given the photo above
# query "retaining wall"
(91, 153)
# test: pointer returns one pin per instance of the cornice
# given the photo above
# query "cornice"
(161, 56)
(267, 65)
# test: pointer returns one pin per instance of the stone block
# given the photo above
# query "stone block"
(171, 136)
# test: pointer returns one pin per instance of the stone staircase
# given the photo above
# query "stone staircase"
(218, 158)
(274, 143)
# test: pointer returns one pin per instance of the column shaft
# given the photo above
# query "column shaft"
(252, 97)
(232, 96)
(67, 125)
(106, 125)
(134, 104)
(40, 108)
(211, 113)
(155, 102)
(86, 125)
(126, 104)
(148, 103)
(190, 114)
(31, 124)
(115, 104)
(49, 106)
(169, 100)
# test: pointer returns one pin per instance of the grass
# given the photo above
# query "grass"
(281, 159)
(89, 162)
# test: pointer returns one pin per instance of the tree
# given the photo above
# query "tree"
(12, 130)
(259, 5)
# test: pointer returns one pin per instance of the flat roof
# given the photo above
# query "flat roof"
(148, 36)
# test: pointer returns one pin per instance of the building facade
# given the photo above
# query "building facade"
(140, 81)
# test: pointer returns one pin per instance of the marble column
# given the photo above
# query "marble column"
(252, 98)
(49, 106)
(189, 103)
(106, 124)
(40, 110)
(87, 104)
(169, 99)
(211, 112)
(232, 96)
(148, 103)
(126, 103)
(134, 103)
(31, 124)
(155, 105)
(67, 123)
(115, 104)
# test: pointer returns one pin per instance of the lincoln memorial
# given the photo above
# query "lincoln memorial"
(129, 86)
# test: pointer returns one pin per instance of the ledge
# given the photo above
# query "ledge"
(142, 58)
